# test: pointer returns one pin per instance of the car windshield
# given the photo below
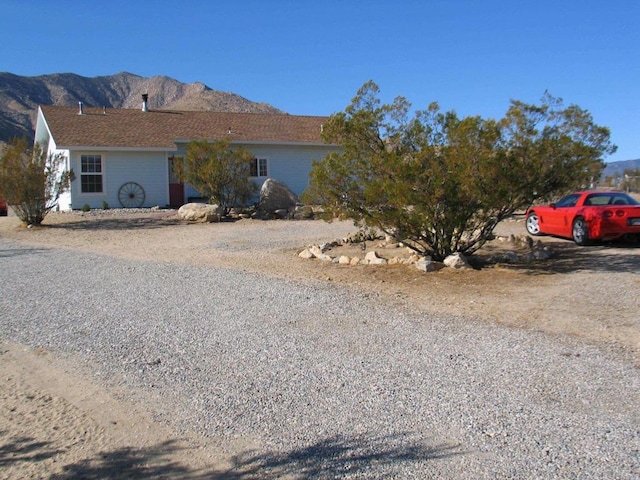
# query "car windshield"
(615, 198)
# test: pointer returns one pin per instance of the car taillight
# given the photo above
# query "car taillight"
(609, 213)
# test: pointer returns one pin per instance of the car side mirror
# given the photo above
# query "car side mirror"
(553, 205)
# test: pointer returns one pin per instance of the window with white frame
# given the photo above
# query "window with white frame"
(91, 173)
(259, 167)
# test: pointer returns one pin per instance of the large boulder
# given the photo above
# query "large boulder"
(275, 196)
(200, 212)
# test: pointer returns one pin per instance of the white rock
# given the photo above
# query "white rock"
(276, 195)
(457, 261)
(372, 258)
(200, 212)
(428, 265)
(413, 258)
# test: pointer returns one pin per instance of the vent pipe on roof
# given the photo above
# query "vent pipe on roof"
(80, 110)
(145, 99)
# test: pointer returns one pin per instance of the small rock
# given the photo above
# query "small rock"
(316, 250)
(281, 213)
(457, 261)
(428, 265)
(306, 254)
(373, 259)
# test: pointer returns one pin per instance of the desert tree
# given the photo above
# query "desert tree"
(220, 173)
(441, 183)
(32, 180)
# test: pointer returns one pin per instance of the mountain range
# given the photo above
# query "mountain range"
(612, 169)
(20, 97)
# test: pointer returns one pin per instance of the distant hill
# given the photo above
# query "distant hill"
(617, 168)
(20, 97)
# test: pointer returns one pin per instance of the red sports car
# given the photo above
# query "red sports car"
(587, 216)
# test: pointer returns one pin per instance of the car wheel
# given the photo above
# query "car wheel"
(533, 224)
(580, 231)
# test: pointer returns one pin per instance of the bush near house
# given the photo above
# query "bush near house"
(441, 183)
(219, 173)
(31, 180)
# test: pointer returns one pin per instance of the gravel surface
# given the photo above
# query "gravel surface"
(314, 380)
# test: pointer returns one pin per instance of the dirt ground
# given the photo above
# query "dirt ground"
(587, 292)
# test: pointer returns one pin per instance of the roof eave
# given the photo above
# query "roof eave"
(118, 149)
(265, 142)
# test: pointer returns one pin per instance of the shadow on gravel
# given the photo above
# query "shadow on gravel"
(21, 251)
(120, 223)
(330, 458)
(569, 257)
(337, 457)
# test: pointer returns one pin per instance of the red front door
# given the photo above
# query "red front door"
(176, 188)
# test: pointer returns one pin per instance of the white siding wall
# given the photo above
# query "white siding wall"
(64, 201)
(148, 169)
(290, 164)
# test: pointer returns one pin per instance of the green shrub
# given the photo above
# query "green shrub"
(440, 183)
(32, 180)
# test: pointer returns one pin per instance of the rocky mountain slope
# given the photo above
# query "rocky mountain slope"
(20, 97)
(617, 168)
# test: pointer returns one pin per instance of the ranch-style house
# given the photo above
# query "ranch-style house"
(126, 157)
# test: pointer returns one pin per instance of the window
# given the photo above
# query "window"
(259, 167)
(91, 173)
(598, 199)
(568, 201)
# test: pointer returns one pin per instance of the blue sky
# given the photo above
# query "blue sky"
(304, 57)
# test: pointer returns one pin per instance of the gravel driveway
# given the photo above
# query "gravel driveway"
(314, 380)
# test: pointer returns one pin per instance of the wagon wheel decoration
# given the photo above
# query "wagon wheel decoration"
(131, 195)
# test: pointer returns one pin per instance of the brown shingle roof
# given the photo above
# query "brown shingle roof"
(160, 128)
